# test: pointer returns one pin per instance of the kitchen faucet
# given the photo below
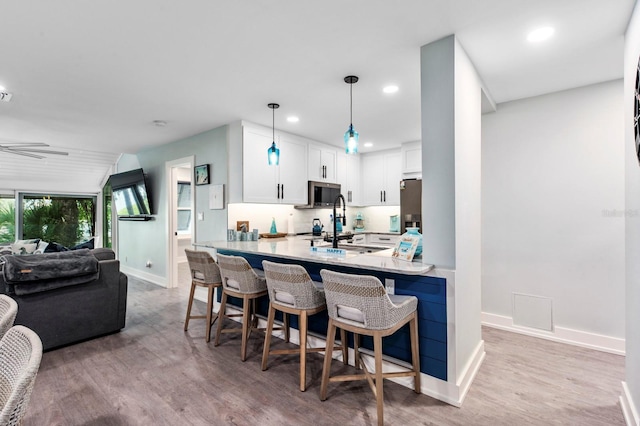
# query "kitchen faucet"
(335, 219)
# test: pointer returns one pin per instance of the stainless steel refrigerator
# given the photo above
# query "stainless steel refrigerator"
(410, 204)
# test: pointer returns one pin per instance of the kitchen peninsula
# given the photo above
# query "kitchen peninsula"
(400, 277)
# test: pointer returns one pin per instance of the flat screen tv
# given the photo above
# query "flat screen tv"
(131, 195)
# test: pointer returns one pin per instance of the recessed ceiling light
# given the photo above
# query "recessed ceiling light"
(2, 88)
(390, 89)
(293, 119)
(368, 144)
(540, 34)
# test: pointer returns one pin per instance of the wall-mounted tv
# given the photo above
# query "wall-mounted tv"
(131, 195)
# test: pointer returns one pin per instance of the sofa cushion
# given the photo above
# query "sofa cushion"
(32, 274)
(103, 253)
(19, 248)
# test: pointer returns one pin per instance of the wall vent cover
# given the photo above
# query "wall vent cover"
(532, 311)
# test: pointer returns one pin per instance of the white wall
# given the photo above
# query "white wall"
(631, 389)
(553, 197)
(142, 241)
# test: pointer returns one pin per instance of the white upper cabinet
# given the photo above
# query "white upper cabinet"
(348, 176)
(262, 183)
(381, 175)
(293, 171)
(322, 163)
(412, 159)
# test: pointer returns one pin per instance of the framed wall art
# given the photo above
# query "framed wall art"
(202, 174)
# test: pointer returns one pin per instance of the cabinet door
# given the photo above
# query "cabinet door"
(259, 184)
(392, 177)
(322, 164)
(293, 171)
(354, 193)
(372, 179)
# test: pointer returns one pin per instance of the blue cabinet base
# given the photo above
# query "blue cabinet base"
(432, 313)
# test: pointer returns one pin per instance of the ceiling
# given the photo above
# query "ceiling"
(91, 77)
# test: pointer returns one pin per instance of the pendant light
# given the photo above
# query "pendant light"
(351, 136)
(273, 153)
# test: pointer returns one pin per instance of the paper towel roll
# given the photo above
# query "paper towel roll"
(290, 230)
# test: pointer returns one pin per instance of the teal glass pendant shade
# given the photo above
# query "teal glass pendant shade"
(351, 140)
(273, 155)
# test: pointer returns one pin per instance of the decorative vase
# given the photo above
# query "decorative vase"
(273, 226)
(414, 231)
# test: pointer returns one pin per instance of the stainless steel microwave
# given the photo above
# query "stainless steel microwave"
(322, 194)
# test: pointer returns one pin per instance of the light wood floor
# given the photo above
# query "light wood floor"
(153, 373)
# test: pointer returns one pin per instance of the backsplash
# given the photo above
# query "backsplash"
(376, 218)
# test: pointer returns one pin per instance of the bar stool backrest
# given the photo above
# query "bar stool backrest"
(291, 285)
(203, 267)
(238, 275)
(8, 312)
(360, 300)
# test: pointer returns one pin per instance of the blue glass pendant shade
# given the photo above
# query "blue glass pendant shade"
(273, 155)
(351, 140)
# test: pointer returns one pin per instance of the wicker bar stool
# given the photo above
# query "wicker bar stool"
(20, 356)
(8, 312)
(204, 273)
(360, 304)
(240, 280)
(291, 291)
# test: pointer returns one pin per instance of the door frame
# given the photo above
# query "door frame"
(171, 168)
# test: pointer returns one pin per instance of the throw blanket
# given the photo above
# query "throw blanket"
(40, 272)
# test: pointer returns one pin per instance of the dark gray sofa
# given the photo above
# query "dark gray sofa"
(63, 314)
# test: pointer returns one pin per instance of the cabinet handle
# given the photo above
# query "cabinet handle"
(324, 172)
(384, 239)
(282, 198)
(278, 189)
(349, 196)
(380, 196)
(385, 196)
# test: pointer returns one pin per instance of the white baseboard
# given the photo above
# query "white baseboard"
(584, 339)
(629, 409)
(155, 279)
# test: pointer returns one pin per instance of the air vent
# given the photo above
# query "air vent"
(6, 97)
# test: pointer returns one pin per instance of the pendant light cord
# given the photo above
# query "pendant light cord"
(351, 104)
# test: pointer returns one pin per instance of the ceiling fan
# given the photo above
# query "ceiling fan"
(28, 149)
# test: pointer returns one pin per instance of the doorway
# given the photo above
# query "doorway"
(181, 203)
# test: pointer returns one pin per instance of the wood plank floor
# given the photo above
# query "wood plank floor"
(153, 373)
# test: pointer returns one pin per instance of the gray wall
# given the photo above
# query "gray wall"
(632, 196)
(553, 198)
(142, 241)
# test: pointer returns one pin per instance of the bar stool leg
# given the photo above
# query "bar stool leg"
(345, 347)
(356, 350)
(285, 322)
(303, 350)
(267, 336)
(209, 312)
(221, 314)
(246, 324)
(415, 357)
(377, 349)
(186, 321)
(326, 366)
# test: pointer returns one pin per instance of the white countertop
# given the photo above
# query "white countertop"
(300, 248)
